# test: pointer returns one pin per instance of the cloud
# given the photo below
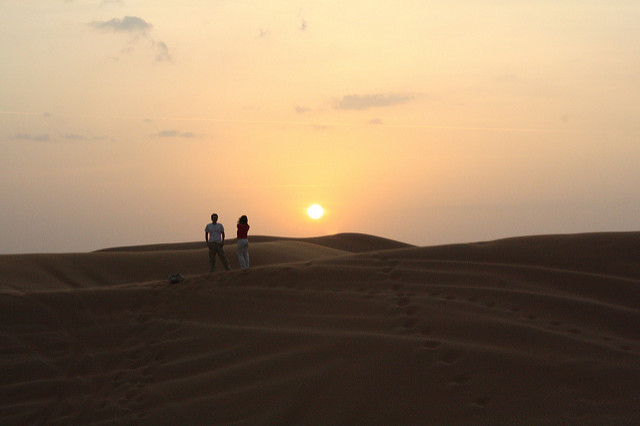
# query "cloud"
(128, 24)
(29, 137)
(303, 25)
(360, 102)
(175, 134)
(375, 121)
(74, 137)
(302, 110)
(162, 54)
(136, 28)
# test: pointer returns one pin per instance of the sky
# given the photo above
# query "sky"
(126, 122)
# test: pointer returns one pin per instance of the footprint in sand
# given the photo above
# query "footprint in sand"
(426, 331)
(410, 323)
(482, 402)
(396, 274)
(147, 372)
(450, 357)
(403, 301)
(118, 376)
(462, 379)
(411, 310)
(432, 344)
(143, 318)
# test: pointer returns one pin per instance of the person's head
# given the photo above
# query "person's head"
(214, 217)
(243, 220)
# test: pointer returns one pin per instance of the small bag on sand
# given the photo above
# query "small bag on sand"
(175, 278)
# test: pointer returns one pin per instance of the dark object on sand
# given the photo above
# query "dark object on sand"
(175, 278)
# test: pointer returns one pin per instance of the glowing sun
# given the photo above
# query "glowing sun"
(315, 211)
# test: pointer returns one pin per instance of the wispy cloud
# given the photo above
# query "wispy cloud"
(135, 27)
(302, 110)
(29, 137)
(162, 54)
(45, 137)
(74, 137)
(128, 24)
(360, 102)
(175, 134)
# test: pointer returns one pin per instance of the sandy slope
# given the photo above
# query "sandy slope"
(532, 330)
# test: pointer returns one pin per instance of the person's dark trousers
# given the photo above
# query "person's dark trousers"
(217, 248)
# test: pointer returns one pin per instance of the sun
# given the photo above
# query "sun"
(315, 211)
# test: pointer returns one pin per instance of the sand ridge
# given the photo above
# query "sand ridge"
(532, 330)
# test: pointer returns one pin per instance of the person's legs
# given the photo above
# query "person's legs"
(246, 255)
(243, 253)
(212, 259)
(223, 256)
(240, 250)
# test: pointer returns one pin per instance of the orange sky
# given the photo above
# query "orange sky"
(127, 122)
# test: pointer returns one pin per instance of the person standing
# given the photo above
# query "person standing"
(214, 236)
(243, 242)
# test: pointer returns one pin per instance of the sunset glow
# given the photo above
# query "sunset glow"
(428, 122)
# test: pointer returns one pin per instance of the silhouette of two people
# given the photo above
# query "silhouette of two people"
(214, 236)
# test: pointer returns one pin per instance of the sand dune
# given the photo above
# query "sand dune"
(530, 330)
(351, 242)
(126, 265)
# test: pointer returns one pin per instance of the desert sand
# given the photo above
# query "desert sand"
(343, 329)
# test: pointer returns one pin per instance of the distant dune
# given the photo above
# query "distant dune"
(343, 329)
(348, 242)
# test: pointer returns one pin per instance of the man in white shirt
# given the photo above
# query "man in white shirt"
(214, 236)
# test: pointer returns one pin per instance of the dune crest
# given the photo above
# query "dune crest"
(126, 265)
(526, 330)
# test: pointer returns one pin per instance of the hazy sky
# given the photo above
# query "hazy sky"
(129, 122)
